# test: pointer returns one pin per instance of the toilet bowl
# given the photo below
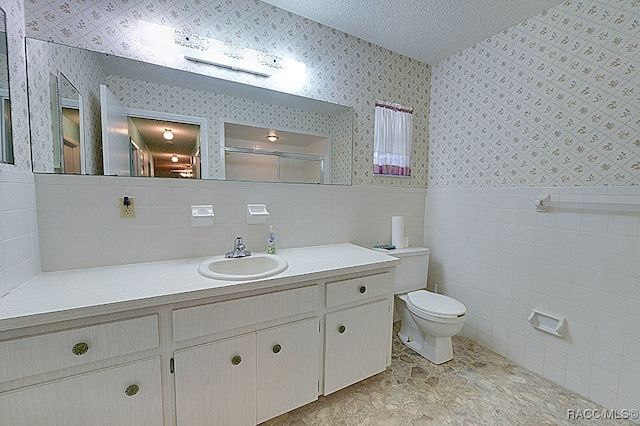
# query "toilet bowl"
(428, 319)
(427, 329)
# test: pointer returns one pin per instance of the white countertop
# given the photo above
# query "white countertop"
(57, 296)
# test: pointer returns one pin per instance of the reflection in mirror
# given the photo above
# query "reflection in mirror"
(169, 144)
(172, 151)
(168, 95)
(66, 125)
(56, 122)
(267, 154)
(6, 140)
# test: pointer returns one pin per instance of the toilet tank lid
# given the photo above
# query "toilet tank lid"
(409, 251)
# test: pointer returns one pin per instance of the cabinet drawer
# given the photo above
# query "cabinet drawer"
(216, 317)
(130, 394)
(361, 288)
(49, 352)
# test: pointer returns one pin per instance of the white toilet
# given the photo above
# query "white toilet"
(428, 319)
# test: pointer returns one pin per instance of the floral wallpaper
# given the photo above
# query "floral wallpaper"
(554, 101)
(14, 15)
(340, 68)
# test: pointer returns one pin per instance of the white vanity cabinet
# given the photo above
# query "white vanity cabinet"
(358, 329)
(252, 377)
(157, 344)
(86, 375)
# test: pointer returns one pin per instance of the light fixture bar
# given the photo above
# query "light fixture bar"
(196, 48)
(227, 66)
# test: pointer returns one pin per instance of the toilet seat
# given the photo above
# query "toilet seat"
(436, 305)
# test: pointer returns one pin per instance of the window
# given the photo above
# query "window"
(392, 139)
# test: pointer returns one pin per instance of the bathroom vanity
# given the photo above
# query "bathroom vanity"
(157, 343)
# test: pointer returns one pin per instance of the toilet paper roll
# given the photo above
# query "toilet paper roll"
(397, 231)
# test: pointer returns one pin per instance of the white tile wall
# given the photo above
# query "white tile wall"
(19, 261)
(80, 214)
(496, 254)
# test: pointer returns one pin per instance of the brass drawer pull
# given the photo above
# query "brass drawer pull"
(363, 289)
(131, 390)
(80, 348)
(342, 329)
(237, 359)
(277, 348)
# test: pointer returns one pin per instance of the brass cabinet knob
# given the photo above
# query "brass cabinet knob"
(342, 329)
(237, 359)
(131, 390)
(277, 348)
(363, 289)
(80, 348)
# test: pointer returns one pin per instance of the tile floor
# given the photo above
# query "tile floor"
(477, 387)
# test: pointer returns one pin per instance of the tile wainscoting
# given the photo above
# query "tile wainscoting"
(81, 214)
(496, 254)
(19, 259)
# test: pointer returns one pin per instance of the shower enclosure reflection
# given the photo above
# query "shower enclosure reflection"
(275, 155)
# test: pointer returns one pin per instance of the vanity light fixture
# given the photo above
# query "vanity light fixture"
(174, 158)
(205, 50)
(168, 134)
(272, 137)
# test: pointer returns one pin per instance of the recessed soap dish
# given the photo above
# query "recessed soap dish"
(257, 213)
(547, 323)
(202, 215)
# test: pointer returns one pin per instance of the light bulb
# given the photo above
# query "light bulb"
(174, 158)
(168, 134)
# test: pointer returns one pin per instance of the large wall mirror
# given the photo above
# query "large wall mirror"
(6, 140)
(116, 116)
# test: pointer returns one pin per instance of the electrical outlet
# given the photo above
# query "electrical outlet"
(127, 210)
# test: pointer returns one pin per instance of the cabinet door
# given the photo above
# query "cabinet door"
(357, 344)
(126, 395)
(216, 383)
(288, 368)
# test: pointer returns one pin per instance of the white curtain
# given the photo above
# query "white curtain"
(392, 139)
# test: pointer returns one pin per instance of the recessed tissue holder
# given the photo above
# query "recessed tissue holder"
(547, 323)
(257, 213)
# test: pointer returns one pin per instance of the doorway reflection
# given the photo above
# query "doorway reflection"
(163, 148)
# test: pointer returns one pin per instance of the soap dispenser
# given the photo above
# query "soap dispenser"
(271, 241)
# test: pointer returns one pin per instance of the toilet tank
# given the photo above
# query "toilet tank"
(411, 274)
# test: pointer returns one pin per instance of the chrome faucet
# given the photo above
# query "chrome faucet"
(238, 250)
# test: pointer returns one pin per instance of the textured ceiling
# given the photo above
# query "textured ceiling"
(426, 30)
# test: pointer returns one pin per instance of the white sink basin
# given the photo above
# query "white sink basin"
(256, 266)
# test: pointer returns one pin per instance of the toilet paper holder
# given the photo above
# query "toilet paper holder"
(547, 323)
